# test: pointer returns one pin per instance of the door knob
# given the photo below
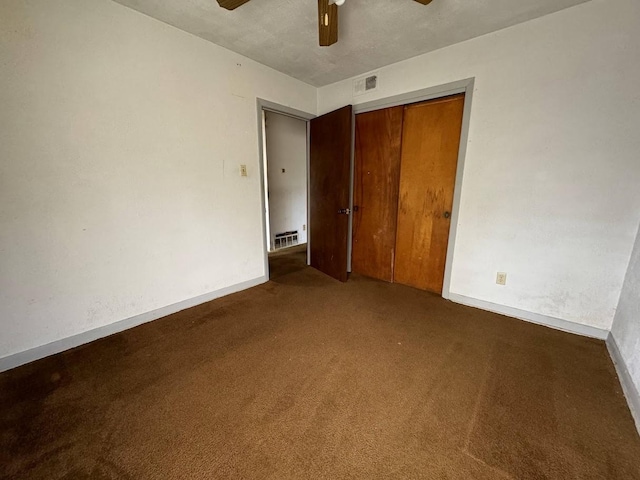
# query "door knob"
(447, 214)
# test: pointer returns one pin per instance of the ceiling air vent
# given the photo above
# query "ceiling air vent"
(365, 84)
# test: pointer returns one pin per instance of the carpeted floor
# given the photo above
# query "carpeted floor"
(289, 260)
(304, 377)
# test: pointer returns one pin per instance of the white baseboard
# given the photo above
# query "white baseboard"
(20, 358)
(557, 323)
(628, 387)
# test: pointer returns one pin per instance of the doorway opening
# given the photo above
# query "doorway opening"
(330, 167)
(284, 149)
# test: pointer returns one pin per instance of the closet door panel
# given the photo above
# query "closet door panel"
(376, 181)
(430, 145)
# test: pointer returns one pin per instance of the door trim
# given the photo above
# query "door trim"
(352, 172)
(461, 86)
(263, 105)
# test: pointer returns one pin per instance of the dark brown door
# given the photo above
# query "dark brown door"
(329, 171)
(375, 191)
(430, 145)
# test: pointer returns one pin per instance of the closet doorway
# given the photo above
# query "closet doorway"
(404, 178)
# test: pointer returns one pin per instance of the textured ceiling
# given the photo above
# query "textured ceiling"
(372, 33)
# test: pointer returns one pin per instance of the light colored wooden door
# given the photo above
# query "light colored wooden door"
(375, 192)
(430, 145)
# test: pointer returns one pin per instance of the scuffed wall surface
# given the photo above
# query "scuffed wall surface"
(120, 145)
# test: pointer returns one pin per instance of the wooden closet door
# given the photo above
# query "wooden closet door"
(375, 192)
(430, 145)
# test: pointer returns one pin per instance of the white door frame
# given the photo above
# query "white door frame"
(462, 86)
(267, 106)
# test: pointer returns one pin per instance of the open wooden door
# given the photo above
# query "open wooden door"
(329, 178)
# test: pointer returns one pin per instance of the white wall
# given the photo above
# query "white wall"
(626, 324)
(286, 143)
(550, 192)
(120, 145)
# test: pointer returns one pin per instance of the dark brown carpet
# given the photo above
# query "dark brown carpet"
(304, 377)
(287, 261)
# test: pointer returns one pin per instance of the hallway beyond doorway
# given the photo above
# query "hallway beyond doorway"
(287, 260)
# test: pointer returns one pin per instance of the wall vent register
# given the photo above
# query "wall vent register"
(365, 84)
(285, 239)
